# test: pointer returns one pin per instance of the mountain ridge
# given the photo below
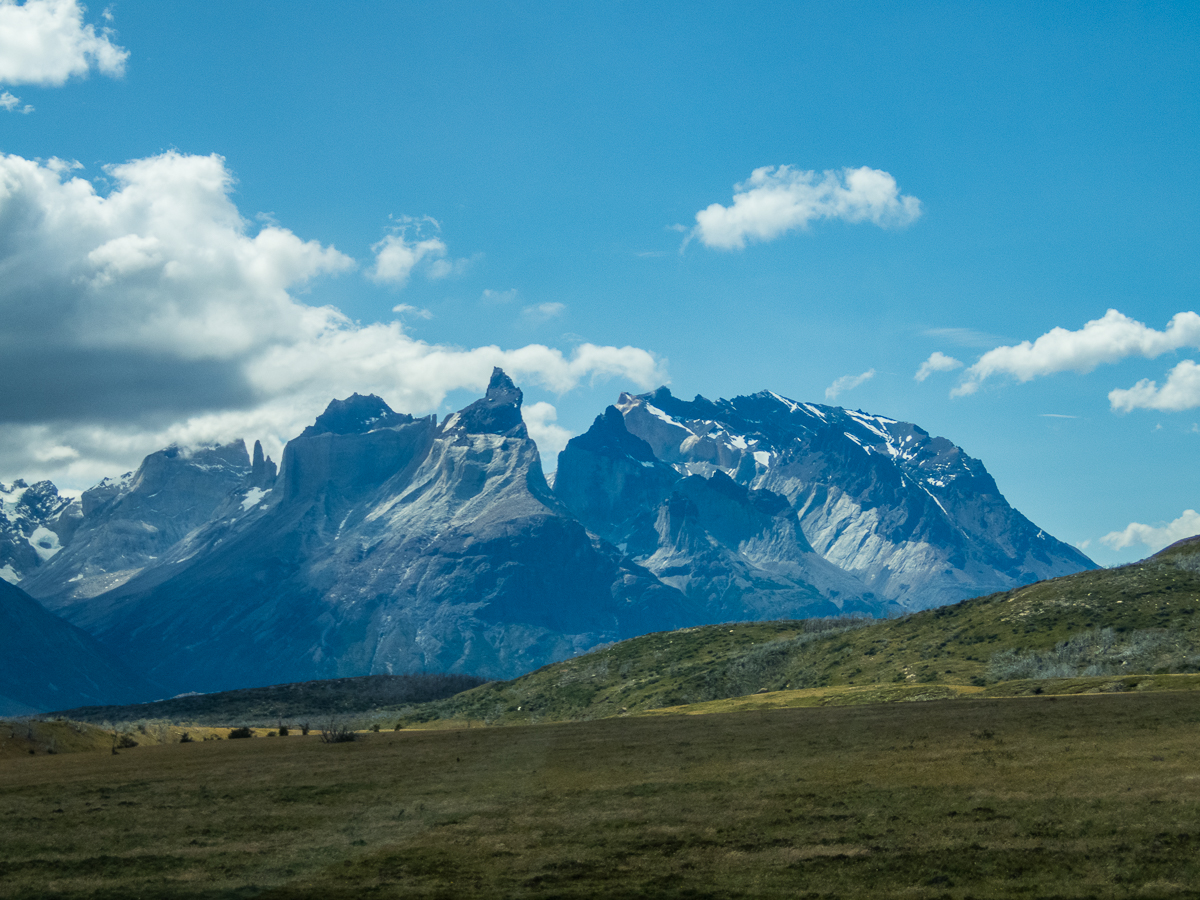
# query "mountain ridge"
(385, 542)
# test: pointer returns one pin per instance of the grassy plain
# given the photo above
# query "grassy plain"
(1092, 795)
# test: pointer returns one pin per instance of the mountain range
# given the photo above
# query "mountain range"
(385, 543)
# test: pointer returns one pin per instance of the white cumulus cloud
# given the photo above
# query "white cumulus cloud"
(45, 42)
(937, 362)
(1153, 537)
(777, 199)
(1108, 339)
(847, 383)
(551, 439)
(157, 313)
(398, 255)
(10, 103)
(1181, 391)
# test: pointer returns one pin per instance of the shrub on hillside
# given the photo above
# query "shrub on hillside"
(240, 733)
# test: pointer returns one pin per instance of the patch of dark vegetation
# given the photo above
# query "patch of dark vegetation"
(237, 733)
(267, 706)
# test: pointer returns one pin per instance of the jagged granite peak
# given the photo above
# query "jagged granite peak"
(262, 469)
(612, 482)
(918, 520)
(608, 436)
(498, 412)
(737, 552)
(411, 547)
(50, 664)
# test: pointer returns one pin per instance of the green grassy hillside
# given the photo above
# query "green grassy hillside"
(1102, 624)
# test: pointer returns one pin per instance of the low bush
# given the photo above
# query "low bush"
(240, 733)
(337, 733)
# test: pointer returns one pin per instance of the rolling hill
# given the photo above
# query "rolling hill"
(1104, 624)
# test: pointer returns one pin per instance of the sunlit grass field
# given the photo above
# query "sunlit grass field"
(1077, 796)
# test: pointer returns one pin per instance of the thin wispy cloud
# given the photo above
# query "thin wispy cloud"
(962, 337)
(777, 199)
(543, 312)
(847, 383)
(493, 296)
(416, 312)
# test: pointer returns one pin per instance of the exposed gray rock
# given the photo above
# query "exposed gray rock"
(916, 519)
(130, 522)
(735, 552)
(389, 544)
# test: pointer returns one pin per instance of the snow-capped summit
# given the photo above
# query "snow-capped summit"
(915, 518)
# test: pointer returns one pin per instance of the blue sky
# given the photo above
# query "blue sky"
(528, 177)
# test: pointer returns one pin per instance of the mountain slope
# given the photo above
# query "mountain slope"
(1138, 619)
(389, 544)
(130, 522)
(51, 664)
(913, 517)
(738, 552)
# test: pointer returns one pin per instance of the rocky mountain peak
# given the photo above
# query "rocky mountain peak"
(499, 412)
(356, 415)
(608, 436)
(262, 468)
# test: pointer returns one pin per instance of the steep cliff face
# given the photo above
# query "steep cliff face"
(128, 523)
(390, 544)
(913, 517)
(737, 553)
